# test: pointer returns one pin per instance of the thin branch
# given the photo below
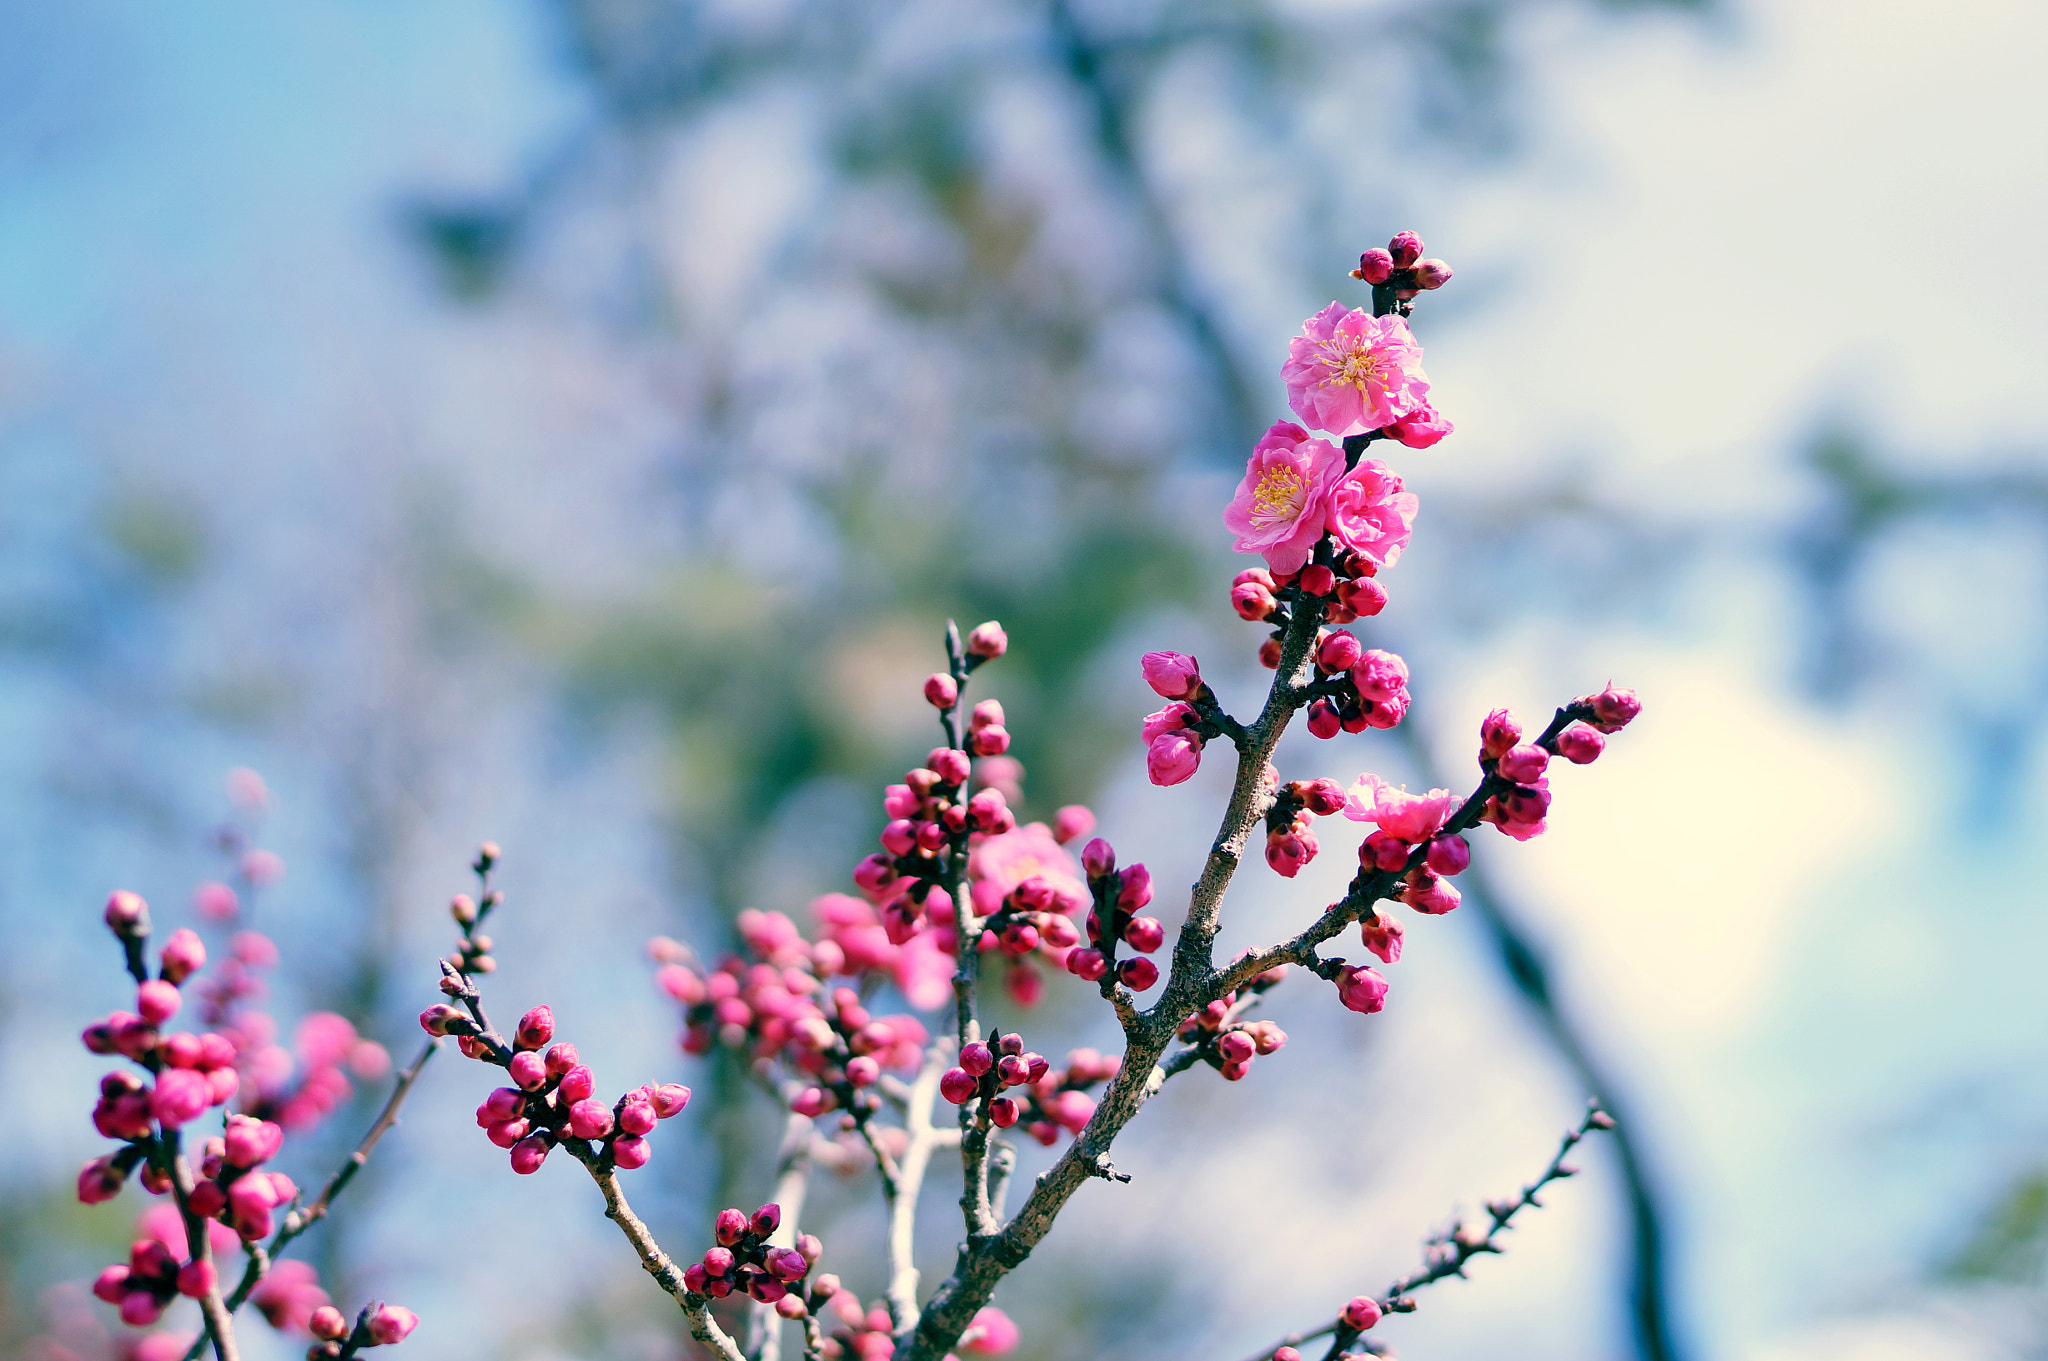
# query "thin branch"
(658, 1264)
(917, 1157)
(220, 1325)
(792, 1181)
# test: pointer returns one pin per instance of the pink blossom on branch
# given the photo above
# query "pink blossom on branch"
(1370, 514)
(1280, 504)
(1349, 372)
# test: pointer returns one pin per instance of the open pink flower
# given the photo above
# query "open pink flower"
(1000, 863)
(1350, 372)
(1279, 507)
(1414, 818)
(1370, 513)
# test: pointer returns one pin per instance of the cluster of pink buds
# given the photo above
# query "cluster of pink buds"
(1520, 806)
(1401, 267)
(1356, 687)
(1227, 1043)
(553, 1098)
(378, 1325)
(1019, 1087)
(986, 735)
(744, 1261)
(846, 1050)
(989, 1072)
(231, 1188)
(151, 1279)
(927, 815)
(1290, 837)
(1119, 896)
(1174, 736)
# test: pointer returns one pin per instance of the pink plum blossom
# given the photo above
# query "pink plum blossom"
(1413, 818)
(1280, 505)
(1350, 372)
(1000, 863)
(1370, 513)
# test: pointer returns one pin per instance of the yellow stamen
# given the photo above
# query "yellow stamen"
(1278, 496)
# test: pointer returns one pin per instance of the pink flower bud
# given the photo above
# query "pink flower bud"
(1432, 273)
(112, 1284)
(1375, 265)
(988, 640)
(184, 955)
(99, 1180)
(1382, 936)
(140, 1308)
(1323, 720)
(327, 1324)
(958, 1086)
(1318, 580)
(208, 1200)
(1339, 651)
(1137, 974)
(1405, 249)
(1580, 744)
(976, 1058)
(1089, 965)
(528, 1071)
(590, 1119)
(505, 1133)
(1421, 429)
(636, 1117)
(249, 1141)
(1172, 675)
(1448, 854)
(1145, 934)
(1173, 758)
(1380, 675)
(631, 1152)
(536, 1028)
(731, 1226)
(1288, 851)
(1286, 1354)
(1524, 763)
(1071, 823)
(197, 1279)
(1498, 734)
(434, 1020)
(1363, 597)
(1253, 601)
(787, 1264)
(1429, 893)
(1615, 709)
(1361, 988)
(669, 1099)
(987, 714)
(1362, 1313)
(157, 1000)
(863, 1071)
(528, 1154)
(181, 1095)
(989, 1333)
(1136, 890)
(577, 1084)
(941, 691)
(1235, 1046)
(766, 1220)
(1012, 1043)
(126, 913)
(1323, 797)
(391, 1324)
(1011, 1070)
(990, 741)
(560, 1059)
(1003, 1112)
(1269, 654)
(949, 764)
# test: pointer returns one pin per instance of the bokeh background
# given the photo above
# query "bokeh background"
(571, 422)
